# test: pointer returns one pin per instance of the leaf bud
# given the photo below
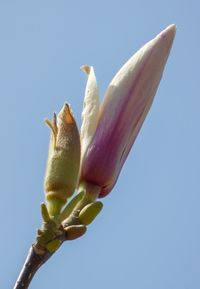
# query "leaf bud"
(89, 212)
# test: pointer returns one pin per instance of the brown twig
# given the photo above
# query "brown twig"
(32, 264)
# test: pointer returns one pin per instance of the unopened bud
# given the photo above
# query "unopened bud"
(63, 160)
(89, 212)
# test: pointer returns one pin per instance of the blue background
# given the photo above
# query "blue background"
(148, 235)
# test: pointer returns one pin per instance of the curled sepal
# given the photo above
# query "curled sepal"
(89, 212)
(63, 160)
(52, 246)
(75, 231)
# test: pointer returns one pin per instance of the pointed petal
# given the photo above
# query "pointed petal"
(90, 113)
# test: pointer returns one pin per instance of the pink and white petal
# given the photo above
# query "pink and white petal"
(125, 106)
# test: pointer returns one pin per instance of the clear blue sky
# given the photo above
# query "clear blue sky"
(148, 235)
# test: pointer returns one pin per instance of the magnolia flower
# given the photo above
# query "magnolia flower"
(108, 133)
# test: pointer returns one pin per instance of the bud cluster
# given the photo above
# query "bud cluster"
(92, 161)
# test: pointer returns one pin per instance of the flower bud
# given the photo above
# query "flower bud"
(63, 160)
(127, 101)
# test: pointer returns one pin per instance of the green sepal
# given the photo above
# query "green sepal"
(52, 246)
(89, 212)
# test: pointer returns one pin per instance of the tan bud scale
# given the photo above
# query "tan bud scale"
(75, 231)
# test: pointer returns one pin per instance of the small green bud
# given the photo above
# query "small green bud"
(52, 246)
(63, 160)
(89, 212)
(75, 231)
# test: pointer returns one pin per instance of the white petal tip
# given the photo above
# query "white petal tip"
(171, 27)
(86, 69)
(166, 37)
(168, 32)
